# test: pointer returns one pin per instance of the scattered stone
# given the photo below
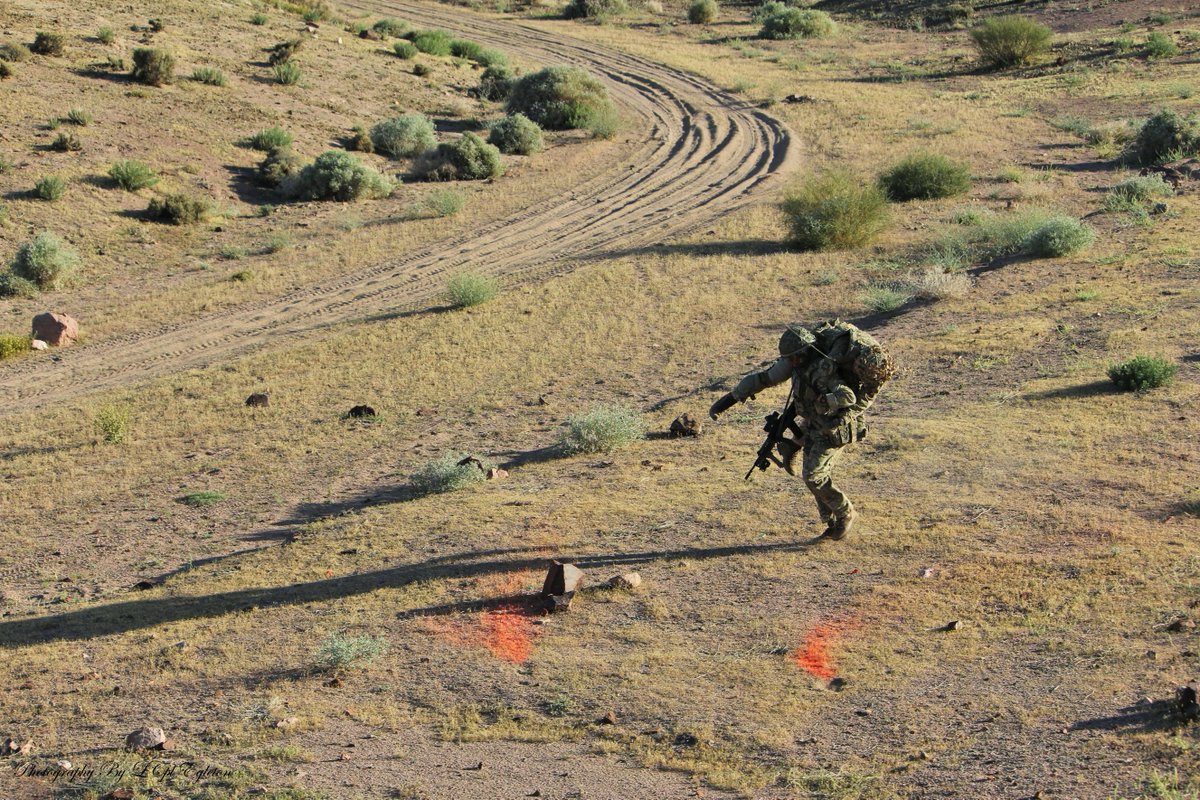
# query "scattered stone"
(145, 738)
(426, 412)
(118, 794)
(258, 400)
(142, 586)
(476, 768)
(286, 722)
(344, 757)
(496, 474)
(38, 344)
(799, 98)
(1186, 701)
(27, 685)
(64, 764)
(562, 581)
(927, 572)
(953, 625)
(369, 35)
(168, 744)
(56, 330)
(863, 712)
(686, 425)
(1181, 624)
(686, 740)
(334, 682)
(609, 719)
(630, 580)
(1157, 209)
(359, 412)
(837, 684)
(556, 603)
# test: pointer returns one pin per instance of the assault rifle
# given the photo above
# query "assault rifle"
(777, 424)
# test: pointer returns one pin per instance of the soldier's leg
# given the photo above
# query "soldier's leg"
(819, 457)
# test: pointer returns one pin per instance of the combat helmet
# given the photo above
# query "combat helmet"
(795, 340)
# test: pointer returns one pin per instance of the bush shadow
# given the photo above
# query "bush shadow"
(1079, 392)
(1157, 715)
(243, 182)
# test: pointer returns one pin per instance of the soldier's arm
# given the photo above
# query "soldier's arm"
(755, 382)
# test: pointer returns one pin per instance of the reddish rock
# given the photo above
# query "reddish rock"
(686, 425)
(495, 474)
(56, 330)
(145, 738)
(258, 400)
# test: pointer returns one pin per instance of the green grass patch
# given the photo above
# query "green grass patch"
(603, 429)
(835, 211)
(1142, 373)
(201, 499)
(468, 289)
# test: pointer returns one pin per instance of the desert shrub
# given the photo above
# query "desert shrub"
(67, 142)
(113, 423)
(938, 283)
(1159, 45)
(279, 242)
(271, 139)
(957, 13)
(339, 653)
(106, 35)
(13, 285)
(488, 57)
(702, 12)
(284, 51)
(560, 98)
(468, 289)
(258, 18)
(602, 430)
(404, 136)
(467, 159)
(48, 43)
(1010, 41)
(1060, 236)
(1164, 137)
(209, 75)
(516, 133)
(45, 261)
(405, 50)
(14, 51)
(157, 25)
(595, 9)
(50, 187)
(180, 209)
(337, 175)
(78, 116)
(762, 12)
(448, 473)
(279, 165)
(6, 71)
(421, 70)
(389, 26)
(834, 210)
(13, 345)
(153, 66)
(115, 63)
(496, 83)
(1141, 373)
(434, 43)
(926, 176)
(360, 140)
(798, 23)
(1142, 188)
(288, 74)
(884, 297)
(442, 203)
(202, 499)
(1005, 235)
(464, 48)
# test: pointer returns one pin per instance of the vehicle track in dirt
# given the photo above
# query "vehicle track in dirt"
(702, 153)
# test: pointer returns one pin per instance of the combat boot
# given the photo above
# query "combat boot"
(787, 453)
(841, 525)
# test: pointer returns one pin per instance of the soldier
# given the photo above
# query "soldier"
(836, 372)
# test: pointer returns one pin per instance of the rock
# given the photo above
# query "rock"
(64, 764)
(630, 580)
(358, 412)
(38, 344)
(1186, 701)
(56, 330)
(799, 98)
(686, 740)
(258, 400)
(496, 474)
(1158, 208)
(118, 794)
(168, 744)
(556, 603)
(26, 748)
(369, 35)
(334, 683)
(837, 684)
(953, 625)
(562, 579)
(286, 723)
(145, 738)
(1181, 624)
(686, 425)
(609, 719)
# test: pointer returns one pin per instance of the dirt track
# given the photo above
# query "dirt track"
(703, 152)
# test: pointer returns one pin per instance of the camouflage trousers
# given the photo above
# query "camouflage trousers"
(821, 452)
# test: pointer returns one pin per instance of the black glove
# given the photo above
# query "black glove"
(722, 405)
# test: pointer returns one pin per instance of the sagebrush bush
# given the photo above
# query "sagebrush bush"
(938, 283)
(389, 26)
(496, 83)
(404, 136)
(48, 43)
(1166, 136)
(797, 23)
(1159, 45)
(602, 430)
(1141, 373)
(516, 133)
(288, 74)
(209, 75)
(284, 51)
(13, 345)
(421, 70)
(202, 499)
(464, 48)
(258, 18)
(50, 187)
(46, 261)
(762, 12)
(6, 71)
(467, 289)
(884, 297)
(13, 285)
(271, 139)
(1130, 194)
(702, 12)
(337, 175)
(835, 210)
(441, 203)
(79, 116)
(14, 51)
(280, 164)
(1060, 236)
(560, 98)
(180, 209)
(405, 50)
(926, 176)
(1011, 41)
(434, 42)
(360, 140)
(113, 423)
(488, 57)
(339, 652)
(467, 159)
(153, 66)
(448, 473)
(67, 142)
(595, 9)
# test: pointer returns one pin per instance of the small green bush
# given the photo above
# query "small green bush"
(202, 499)
(468, 289)
(421, 70)
(404, 136)
(157, 25)
(464, 48)
(442, 203)
(13, 345)
(1141, 373)
(113, 423)
(882, 298)
(1159, 45)
(467, 159)
(106, 36)
(280, 164)
(45, 261)
(389, 26)
(595, 9)
(153, 66)
(926, 176)
(78, 116)
(337, 175)
(48, 43)
(602, 430)
(360, 140)
(938, 283)
(560, 98)
(14, 51)
(209, 75)
(180, 209)
(702, 12)
(405, 50)
(1060, 236)
(258, 18)
(132, 175)
(797, 23)
(516, 133)
(67, 142)
(50, 187)
(958, 13)
(434, 43)
(766, 10)
(1011, 41)
(271, 139)
(488, 57)
(835, 211)
(1129, 194)
(448, 473)
(288, 74)
(279, 242)
(242, 276)
(12, 285)
(283, 52)
(496, 83)
(1164, 137)
(339, 653)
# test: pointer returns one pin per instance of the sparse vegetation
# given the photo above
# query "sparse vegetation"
(560, 98)
(463, 48)
(1166, 136)
(67, 142)
(603, 429)
(14, 51)
(337, 175)
(702, 12)
(288, 74)
(153, 66)
(1060, 236)
(78, 116)
(496, 83)
(339, 652)
(467, 159)
(1130, 195)
(450, 472)
(434, 43)
(442, 203)
(50, 188)
(210, 76)
(202, 499)
(1142, 373)
(283, 52)
(938, 283)
(271, 139)
(180, 209)
(405, 50)
(12, 345)
(516, 133)
(279, 165)
(12, 285)
(404, 136)
(360, 140)
(885, 297)
(46, 262)
(258, 18)
(113, 423)
(6, 71)
(132, 175)
(488, 57)
(834, 211)
(467, 289)
(599, 10)
(1159, 45)
(390, 26)
(1011, 41)
(47, 43)
(926, 176)
(797, 23)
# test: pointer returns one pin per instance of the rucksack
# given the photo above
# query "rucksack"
(862, 361)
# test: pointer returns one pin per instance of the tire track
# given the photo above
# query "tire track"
(704, 154)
